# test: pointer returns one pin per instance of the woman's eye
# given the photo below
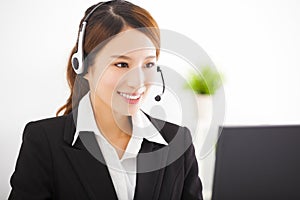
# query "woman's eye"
(149, 65)
(121, 65)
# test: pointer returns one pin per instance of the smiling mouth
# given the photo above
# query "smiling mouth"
(131, 98)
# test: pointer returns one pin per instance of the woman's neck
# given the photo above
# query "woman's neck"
(116, 128)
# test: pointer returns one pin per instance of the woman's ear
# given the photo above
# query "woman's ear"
(87, 75)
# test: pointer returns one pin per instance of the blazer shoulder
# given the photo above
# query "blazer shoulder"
(53, 122)
(169, 129)
(50, 126)
(49, 120)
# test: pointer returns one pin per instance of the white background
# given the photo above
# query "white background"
(255, 43)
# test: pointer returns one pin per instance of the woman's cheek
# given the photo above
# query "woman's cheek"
(108, 84)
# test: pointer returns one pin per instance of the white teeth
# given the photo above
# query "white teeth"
(127, 96)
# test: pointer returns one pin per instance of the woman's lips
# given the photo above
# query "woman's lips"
(131, 98)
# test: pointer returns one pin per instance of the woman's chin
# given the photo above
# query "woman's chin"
(128, 107)
(128, 112)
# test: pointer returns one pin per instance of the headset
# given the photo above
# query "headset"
(77, 59)
(158, 97)
(78, 56)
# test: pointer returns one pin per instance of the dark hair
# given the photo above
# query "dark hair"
(106, 21)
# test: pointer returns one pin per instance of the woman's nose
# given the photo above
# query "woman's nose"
(136, 77)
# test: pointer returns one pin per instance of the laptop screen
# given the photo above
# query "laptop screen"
(257, 163)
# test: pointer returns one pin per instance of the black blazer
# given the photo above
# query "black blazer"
(48, 167)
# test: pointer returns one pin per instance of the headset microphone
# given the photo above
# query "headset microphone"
(158, 97)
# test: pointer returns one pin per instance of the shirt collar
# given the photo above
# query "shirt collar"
(142, 126)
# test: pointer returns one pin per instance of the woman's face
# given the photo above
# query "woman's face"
(120, 75)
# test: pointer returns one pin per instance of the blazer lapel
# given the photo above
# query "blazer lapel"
(85, 157)
(151, 162)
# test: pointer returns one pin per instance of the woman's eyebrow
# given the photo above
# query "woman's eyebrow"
(150, 57)
(121, 56)
(128, 58)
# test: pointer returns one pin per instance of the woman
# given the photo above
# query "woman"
(104, 146)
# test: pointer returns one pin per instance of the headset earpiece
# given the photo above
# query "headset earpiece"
(76, 63)
(77, 57)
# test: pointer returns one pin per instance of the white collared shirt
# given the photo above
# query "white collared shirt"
(122, 171)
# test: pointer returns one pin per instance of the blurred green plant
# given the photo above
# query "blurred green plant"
(207, 82)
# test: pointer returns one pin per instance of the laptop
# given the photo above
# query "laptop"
(257, 163)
